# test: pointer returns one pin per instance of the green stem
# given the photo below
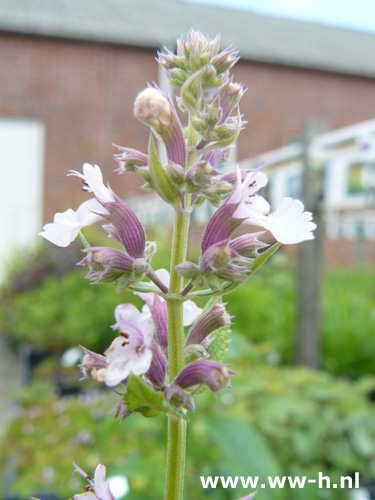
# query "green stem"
(174, 482)
(174, 300)
(176, 427)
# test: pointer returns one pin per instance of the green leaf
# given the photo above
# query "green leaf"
(142, 398)
(219, 347)
(160, 180)
(245, 452)
(263, 257)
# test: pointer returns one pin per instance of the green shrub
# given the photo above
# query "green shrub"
(265, 312)
(62, 313)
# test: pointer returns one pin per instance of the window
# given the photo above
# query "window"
(21, 164)
(355, 179)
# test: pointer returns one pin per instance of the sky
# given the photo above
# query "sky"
(351, 14)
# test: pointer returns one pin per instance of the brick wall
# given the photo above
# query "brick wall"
(279, 99)
(84, 94)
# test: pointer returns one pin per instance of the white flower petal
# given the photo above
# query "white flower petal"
(88, 212)
(94, 179)
(146, 297)
(63, 230)
(191, 312)
(85, 496)
(143, 363)
(130, 320)
(252, 207)
(124, 359)
(163, 276)
(67, 225)
(101, 488)
(289, 224)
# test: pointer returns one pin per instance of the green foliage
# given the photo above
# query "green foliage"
(62, 313)
(246, 453)
(265, 312)
(313, 422)
(279, 421)
(219, 346)
(349, 322)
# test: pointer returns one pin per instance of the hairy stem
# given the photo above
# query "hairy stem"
(176, 452)
(176, 427)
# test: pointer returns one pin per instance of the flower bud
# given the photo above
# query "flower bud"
(214, 318)
(225, 60)
(121, 411)
(91, 361)
(198, 124)
(218, 191)
(200, 175)
(217, 156)
(212, 115)
(158, 309)
(128, 228)
(177, 77)
(235, 93)
(106, 264)
(178, 398)
(129, 159)
(216, 258)
(222, 261)
(176, 174)
(188, 270)
(208, 77)
(139, 268)
(193, 352)
(153, 108)
(247, 245)
(191, 93)
(156, 109)
(156, 373)
(150, 249)
(211, 373)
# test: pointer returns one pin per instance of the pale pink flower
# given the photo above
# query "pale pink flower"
(92, 179)
(67, 225)
(131, 352)
(235, 210)
(98, 488)
(289, 223)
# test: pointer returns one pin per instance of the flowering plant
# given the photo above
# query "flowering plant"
(155, 367)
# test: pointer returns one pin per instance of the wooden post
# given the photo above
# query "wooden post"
(310, 256)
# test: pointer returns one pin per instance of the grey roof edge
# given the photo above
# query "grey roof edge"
(150, 24)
